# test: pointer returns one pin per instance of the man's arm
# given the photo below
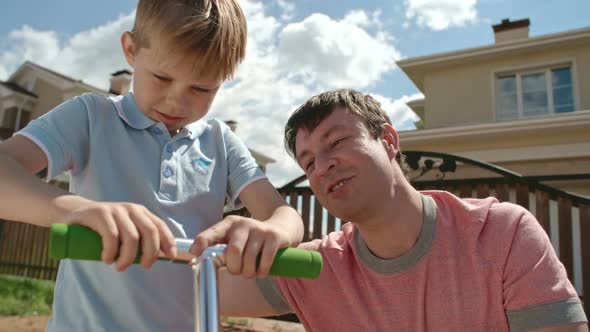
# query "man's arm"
(574, 327)
(241, 297)
(536, 288)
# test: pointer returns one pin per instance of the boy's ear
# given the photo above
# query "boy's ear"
(129, 47)
(390, 139)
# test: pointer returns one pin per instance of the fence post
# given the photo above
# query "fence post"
(585, 248)
(1, 226)
(564, 220)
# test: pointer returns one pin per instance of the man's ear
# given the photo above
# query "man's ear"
(390, 139)
(129, 47)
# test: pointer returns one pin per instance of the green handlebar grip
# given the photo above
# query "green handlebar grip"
(79, 242)
(297, 263)
(75, 242)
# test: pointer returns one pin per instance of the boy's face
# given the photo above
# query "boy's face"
(168, 87)
(349, 171)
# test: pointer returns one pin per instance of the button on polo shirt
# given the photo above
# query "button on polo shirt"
(168, 172)
(157, 131)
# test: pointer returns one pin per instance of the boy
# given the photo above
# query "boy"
(151, 150)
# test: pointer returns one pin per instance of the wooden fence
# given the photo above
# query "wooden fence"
(564, 216)
(24, 248)
(24, 251)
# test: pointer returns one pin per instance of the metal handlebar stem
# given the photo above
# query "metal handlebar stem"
(206, 297)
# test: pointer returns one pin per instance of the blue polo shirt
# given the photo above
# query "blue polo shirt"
(115, 153)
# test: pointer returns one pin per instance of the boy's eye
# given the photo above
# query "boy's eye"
(161, 78)
(199, 89)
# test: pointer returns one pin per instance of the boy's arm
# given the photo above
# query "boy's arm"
(281, 227)
(25, 198)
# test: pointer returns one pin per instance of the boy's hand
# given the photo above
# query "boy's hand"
(129, 225)
(246, 238)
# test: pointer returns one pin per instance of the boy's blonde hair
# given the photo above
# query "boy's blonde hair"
(214, 31)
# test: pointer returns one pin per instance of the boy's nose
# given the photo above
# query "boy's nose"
(177, 100)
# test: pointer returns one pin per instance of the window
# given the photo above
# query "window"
(11, 115)
(534, 93)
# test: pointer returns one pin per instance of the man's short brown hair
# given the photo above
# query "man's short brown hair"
(214, 31)
(317, 108)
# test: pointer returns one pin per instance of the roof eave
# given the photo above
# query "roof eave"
(561, 122)
(416, 68)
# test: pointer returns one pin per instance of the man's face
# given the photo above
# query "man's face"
(349, 171)
(167, 87)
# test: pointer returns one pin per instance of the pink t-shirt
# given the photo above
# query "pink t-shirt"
(478, 265)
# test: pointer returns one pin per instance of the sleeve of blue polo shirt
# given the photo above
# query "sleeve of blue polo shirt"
(62, 134)
(242, 167)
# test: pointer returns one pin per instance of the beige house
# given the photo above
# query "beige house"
(522, 103)
(33, 90)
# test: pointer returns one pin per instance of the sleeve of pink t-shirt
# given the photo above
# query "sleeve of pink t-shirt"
(279, 292)
(536, 286)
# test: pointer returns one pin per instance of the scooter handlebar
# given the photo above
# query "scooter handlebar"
(79, 242)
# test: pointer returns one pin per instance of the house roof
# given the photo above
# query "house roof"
(506, 25)
(262, 158)
(55, 74)
(17, 88)
(123, 71)
(416, 68)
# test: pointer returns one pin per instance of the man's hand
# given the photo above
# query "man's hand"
(129, 225)
(246, 238)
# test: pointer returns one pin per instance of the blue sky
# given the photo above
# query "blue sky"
(297, 48)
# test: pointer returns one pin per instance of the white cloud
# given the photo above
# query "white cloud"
(288, 69)
(89, 55)
(399, 113)
(288, 9)
(42, 45)
(286, 63)
(336, 53)
(363, 19)
(441, 14)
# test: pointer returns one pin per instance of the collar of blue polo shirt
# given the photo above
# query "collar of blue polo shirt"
(81, 243)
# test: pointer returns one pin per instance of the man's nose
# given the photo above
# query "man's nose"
(324, 164)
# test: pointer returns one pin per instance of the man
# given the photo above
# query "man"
(407, 260)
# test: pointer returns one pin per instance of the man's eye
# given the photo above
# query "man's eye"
(334, 143)
(309, 166)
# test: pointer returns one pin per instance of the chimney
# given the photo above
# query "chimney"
(509, 31)
(233, 125)
(121, 82)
